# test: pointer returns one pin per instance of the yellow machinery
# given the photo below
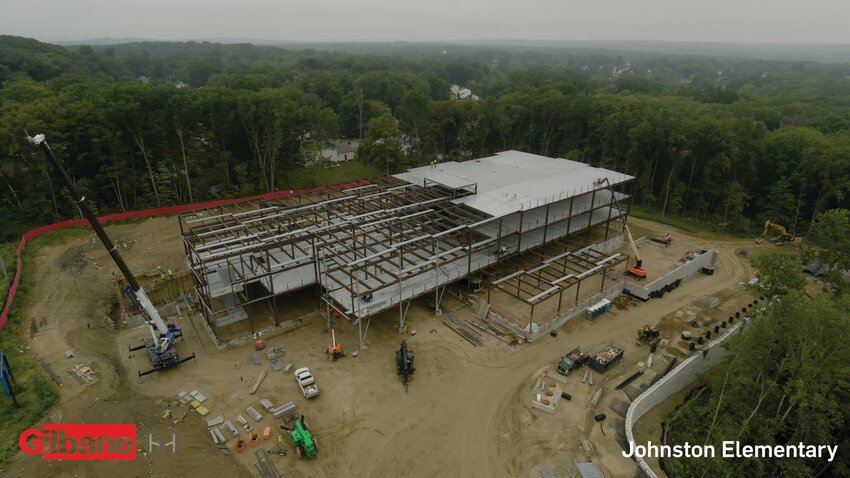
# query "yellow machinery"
(784, 236)
(648, 333)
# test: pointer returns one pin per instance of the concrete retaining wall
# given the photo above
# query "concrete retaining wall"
(706, 259)
(680, 377)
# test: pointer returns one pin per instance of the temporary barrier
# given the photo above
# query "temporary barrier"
(161, 211)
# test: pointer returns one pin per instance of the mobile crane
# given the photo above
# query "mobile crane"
(784, 235)
(160, 347)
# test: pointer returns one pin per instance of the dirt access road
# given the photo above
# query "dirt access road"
(466, 412)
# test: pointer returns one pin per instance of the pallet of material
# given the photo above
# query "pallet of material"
(267, 404)
(217, 437)
(84, 372)
(198, 396)
(285, 409)
(254, 414)
(275, 353)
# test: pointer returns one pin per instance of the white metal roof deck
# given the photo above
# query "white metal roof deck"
(512, 181)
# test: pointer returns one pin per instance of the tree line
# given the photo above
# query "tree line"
(788, 378)
(729, 142)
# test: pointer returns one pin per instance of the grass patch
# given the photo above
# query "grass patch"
(36, 393)
(305, 178)
(685, 224)
(7, 254)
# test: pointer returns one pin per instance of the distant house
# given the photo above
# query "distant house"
(180, 85)
(457, 92)
(343, 150)
(143, 80)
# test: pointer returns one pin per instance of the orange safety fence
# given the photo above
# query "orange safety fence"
(161, 211)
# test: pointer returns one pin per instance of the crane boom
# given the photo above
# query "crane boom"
(637, 270)
(159, 349)
(638, 261)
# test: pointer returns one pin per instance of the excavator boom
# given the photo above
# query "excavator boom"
(784, 235)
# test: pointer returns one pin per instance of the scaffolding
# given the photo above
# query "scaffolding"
(373, 245)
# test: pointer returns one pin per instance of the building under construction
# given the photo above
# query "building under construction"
(374, 245)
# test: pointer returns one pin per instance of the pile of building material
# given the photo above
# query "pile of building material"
(82, 373)
(606, 358)
(266, 467)
(258, 381)
(494, 329)
(287, 411)
(466, 331)
(195, 399)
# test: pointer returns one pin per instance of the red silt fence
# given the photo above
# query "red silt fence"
(161, 211)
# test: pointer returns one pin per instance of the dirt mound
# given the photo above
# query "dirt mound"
(77, 257)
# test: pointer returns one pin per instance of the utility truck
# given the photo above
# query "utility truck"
(573, 359)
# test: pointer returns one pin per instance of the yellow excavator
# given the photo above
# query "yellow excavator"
(636, 270)
(784, 237)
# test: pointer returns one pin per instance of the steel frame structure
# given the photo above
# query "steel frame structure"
(370, 245)
(536, 283)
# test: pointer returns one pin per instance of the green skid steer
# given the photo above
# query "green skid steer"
(302, 440)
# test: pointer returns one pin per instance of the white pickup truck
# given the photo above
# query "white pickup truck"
(306, 382)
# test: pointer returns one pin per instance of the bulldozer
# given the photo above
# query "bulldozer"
(648, 333)
(784, 238)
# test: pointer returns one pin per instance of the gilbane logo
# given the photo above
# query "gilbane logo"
(81, 442)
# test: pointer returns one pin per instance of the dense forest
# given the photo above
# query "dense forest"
(728, 141)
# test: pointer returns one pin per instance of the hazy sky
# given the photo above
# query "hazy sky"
(757, 21)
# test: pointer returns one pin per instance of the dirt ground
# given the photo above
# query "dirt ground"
(466, 412)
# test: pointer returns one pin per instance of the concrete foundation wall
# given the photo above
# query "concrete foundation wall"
(705, 260)
(688, 371)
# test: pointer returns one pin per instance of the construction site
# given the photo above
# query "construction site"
(377, 244)
(435, 322)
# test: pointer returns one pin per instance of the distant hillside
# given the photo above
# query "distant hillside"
(40, 61)
(827, 53)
